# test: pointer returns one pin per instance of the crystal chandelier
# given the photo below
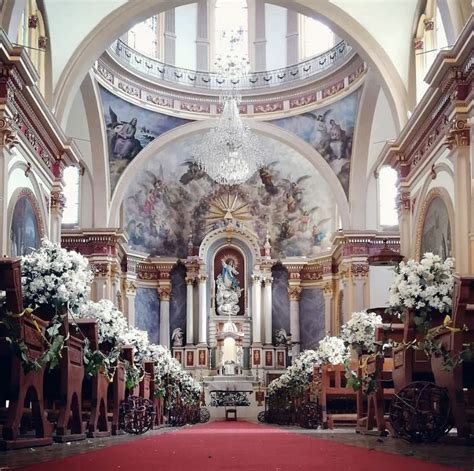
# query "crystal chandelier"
(230, 152)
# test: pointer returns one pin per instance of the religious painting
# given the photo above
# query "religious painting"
(129, 129)
(25, 233)
(256, 358)
(179, 356)
(330, 130)
(189, 358)
(436, 236)
(229, 275)
(281, 359)
(312, 318)
(268, 358)
(147, 312)
(202, 357)
(171, 204)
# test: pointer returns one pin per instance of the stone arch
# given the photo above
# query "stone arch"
(120, 19)
(270, 130)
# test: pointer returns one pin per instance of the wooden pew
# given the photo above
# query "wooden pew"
(333, 387)
(371, 410)
(23, 391)
(116, 394)
(94, 390)
(460, 380)
(63, 386)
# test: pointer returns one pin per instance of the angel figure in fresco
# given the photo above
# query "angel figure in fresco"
(321, 135)
(319, 234)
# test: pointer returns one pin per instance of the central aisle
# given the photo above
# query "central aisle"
(234, 446)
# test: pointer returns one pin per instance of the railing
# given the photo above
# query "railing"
(211, 80)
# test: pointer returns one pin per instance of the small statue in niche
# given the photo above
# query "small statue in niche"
(228, 290)
(177, 337)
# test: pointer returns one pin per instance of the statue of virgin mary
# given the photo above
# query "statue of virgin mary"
(228, 290)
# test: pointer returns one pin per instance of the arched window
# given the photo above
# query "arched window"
(315, 37)
(32, 35)
(430, 39)
(388, 215)
(71, 180)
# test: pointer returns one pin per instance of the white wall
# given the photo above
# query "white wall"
(186, 32)
(275, 30)
(380, 281)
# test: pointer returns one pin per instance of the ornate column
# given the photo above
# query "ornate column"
(164, 292)
(359, 273)
(292, 38)
(7, 142)
(328, 292)
(129, 304)
(202, 328)
(457, 141)
(57, 203)
(256, 309)
(267, 309)
(170, 37)
(190, 310)
(202, 39)
(404, 221)
(294, 294)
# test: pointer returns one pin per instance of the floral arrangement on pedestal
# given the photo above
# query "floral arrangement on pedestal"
(54, 276)
(426, 287)
(359, 331)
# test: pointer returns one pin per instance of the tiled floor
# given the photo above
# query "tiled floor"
(448, 451)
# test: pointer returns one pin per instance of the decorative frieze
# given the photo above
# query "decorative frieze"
(403, 202)
(8, 133)
(458, 134)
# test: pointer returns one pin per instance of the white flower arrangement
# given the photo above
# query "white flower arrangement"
(359, 331)
(426, 287)
(54, 276)
(110, 321)
(332, 351)
(138, 339)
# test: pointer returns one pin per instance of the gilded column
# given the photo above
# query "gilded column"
(202, 327)
(190, 310)
(164, 292)
(267, 309)
(294, 294)
(256, 309)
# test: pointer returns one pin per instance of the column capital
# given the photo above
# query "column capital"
(164, 292)
(294, 293)
(190, 280)
(458, 134)
(257, 278)
(328, 290)
(268, 280)
(130, 288)
(8, 133)
(201, 278)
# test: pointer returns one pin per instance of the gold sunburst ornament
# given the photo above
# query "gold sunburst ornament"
(227, 207)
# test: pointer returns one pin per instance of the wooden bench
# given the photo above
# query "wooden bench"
(23, 421)
(333, 387)
(372, 409)
(231, 414)
(459, 381)
(94, 390)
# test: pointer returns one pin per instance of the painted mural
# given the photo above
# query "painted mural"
(147, 312)
(280, 301)
(312, 317)
(171, 203)
(436, 237)
(129, 129)
(330, 130)
(25, 233)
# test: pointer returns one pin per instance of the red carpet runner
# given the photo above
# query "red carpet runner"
(234, 446)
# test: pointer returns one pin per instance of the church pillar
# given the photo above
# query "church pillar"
(256, 309)
(202, 39)
(457, 141)
(6, 135)
(257, 34)
(202, 328)
(129, 304)
(294, 294)
(170, 37)
(57, 207)
(267, 309)
(328, 308)
(164, 292)
(404, 222)
(189, 310)
(292, 38)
